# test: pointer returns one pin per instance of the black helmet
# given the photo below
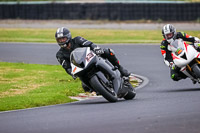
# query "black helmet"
(169, 32)
(63, 36)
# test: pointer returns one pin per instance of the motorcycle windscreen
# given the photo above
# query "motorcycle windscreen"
(177, 46)
(78, 56)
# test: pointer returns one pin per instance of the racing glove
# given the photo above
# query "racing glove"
(69, 71)
(74, 77)
(197, 43)
(98, 51)
(197, 40)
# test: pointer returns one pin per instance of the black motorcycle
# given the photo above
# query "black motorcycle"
(100, 75)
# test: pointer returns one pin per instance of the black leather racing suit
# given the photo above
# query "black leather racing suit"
(175, 73)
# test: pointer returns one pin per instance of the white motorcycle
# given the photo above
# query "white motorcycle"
(187, 58)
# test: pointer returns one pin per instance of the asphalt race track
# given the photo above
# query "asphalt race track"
(162, 106)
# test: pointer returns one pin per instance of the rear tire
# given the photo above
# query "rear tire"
(131, 94)
(99, 87)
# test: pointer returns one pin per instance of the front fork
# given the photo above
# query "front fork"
(196, 60)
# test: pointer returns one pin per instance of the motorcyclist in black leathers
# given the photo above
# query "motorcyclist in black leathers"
(68, 44)
(169, 33)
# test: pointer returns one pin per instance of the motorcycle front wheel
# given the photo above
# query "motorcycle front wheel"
(196, 70)
(100, 87)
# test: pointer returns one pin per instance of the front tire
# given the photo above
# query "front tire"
(196, 70)
(101, 88)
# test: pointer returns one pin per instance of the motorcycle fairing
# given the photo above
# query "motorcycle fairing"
(185, 57)
(114, 74)
(81, 57)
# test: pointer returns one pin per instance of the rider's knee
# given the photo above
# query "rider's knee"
(109, 51)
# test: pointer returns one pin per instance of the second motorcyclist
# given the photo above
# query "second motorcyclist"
(169, 33)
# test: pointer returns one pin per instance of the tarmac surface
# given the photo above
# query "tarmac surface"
(162, 106)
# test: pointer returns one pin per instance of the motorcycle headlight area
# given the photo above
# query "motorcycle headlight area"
(78, 64)
(178, 51)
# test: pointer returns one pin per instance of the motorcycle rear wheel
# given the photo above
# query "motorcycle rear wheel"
(101, 88)
(131, 94)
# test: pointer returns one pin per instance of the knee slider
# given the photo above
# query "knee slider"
(109, 51)
(175, 77)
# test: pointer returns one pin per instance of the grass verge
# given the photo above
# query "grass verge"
(94, 35)
(32, 85)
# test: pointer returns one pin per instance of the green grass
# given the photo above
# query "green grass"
(94, 35)
(31, 85)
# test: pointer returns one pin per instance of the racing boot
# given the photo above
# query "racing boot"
(123, 71)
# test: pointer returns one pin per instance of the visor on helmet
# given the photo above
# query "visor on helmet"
(169, 35)
(63, 42)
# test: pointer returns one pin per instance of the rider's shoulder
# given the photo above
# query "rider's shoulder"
(59, 52)
(164, 42)
(180, 34)
(78, 39)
